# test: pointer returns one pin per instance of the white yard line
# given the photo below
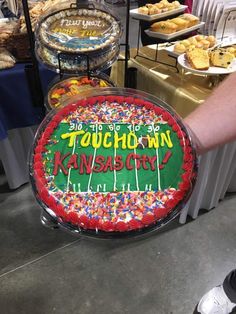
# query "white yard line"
(114, 187)
(94, 155)
(158, 170)
(136, 170)
(68, 179)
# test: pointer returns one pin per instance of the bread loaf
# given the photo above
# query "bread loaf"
(181, 23)
(191, 19)
(164, 27)
(221, 58)
(198, 59)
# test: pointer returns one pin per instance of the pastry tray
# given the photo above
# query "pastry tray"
(169, 47)
(153, 34)
(153, 17)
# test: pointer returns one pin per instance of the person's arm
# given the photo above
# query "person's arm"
(214, 122)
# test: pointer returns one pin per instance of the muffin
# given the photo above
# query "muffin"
(205, 44)
(179, 48)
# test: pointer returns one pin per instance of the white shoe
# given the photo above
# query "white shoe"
(215, 302)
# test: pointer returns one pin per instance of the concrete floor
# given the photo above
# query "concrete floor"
(46, 271)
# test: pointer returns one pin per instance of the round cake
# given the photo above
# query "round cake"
(79, 30)
(113, 164)
(62, 91)
(71, 63)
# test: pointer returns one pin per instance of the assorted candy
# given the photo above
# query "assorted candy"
(62, 91)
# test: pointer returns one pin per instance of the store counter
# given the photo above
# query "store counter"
(18, 118)
(185, 92)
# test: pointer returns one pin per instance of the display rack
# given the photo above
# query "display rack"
(224, 27)
(156, 53)
(178, 35)
(127, 49)
(73, 55)
(32, 70)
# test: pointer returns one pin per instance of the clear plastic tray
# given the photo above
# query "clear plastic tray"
(120, 186)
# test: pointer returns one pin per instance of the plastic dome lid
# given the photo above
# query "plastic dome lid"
(78, 30)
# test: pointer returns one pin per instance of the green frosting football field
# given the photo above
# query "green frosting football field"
(77, 180)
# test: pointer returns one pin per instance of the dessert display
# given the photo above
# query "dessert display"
(170, 26)
(112, 164)
(62, 91)
(198, 41)
(159, 7)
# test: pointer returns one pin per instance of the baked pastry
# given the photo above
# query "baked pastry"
(181, 23)
(159, 7)
(193, 41)
(170, 7)
(176, 4)
(191, 47)
(179, 48)
(154, 10)
(211, 39)
(199, 37)
(191, 19)
(205, 44)
(199, 45)
(186, 42)
(143, 10)
(164, 27)
(221, 58)
(198, 59)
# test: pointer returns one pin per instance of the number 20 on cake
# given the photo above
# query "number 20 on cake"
(113, 164)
